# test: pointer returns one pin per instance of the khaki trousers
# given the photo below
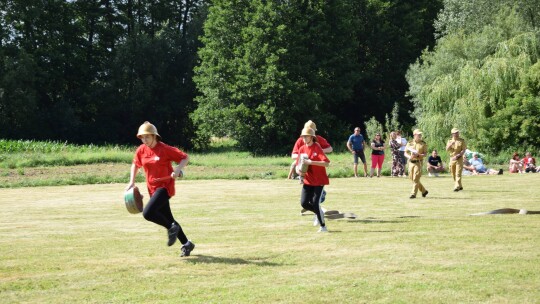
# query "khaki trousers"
(456, 168)
(415, 172)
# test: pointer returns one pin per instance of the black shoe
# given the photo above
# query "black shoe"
(187, 248)
(412, 196)
(500, 172)
(456, 189)
(460, 188)
(173, 234)
(425, 194)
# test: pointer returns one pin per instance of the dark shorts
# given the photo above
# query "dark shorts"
(359, 153)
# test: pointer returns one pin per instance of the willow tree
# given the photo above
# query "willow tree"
(486, 82)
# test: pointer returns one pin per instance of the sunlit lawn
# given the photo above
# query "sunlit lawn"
(79, 244)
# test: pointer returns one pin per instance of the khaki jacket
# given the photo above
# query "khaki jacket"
(458, 147)
(420, 146)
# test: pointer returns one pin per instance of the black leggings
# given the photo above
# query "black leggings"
(158, 210)
(310, 200)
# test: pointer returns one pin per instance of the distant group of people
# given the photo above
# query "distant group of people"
(310, 162)
(411, 155)
(356, 145)
(526, 164)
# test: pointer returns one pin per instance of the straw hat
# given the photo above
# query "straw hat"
(147, 128)
(306, 131)
(310, 124)
(454, 130)
(417, 131)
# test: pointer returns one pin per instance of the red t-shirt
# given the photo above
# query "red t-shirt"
(157, 163)
(316, 175)
(299, 143)
(526, 161)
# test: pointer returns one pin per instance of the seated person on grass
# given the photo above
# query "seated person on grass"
(480, 168)
(516, 164)
(434, 164)
(529, 163)
(468, 169)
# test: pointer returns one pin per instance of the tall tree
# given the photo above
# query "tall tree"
(269, 66)
(391, 36)
(483, 79)
(75, 70)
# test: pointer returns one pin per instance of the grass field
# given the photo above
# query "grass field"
(78, 244)
(35, 163)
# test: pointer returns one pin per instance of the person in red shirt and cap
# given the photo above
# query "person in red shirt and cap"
(315, 178)
(156, 158)
(327, 148)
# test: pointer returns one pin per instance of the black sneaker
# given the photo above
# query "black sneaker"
(412, 196)
(456, 189)
(173, 234)
(187, 248)
(460, 188)
(425, 194)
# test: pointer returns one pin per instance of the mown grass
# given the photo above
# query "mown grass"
(79, 244)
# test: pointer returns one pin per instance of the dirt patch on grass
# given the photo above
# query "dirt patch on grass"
(16, 176)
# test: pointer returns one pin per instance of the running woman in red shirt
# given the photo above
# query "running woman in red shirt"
(315, 178)
(327, 148)
(156, 157)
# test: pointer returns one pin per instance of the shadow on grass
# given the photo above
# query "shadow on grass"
(371, 220)
(207, 259)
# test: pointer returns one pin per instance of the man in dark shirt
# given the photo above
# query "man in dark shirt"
(435, 165)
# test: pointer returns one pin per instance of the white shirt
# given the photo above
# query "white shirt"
(403, 143)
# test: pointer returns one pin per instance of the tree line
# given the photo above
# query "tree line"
(483, 76)
(93, 71)
(255, 70)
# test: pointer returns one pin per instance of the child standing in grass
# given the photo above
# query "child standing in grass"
(315, 178)
(156, 157)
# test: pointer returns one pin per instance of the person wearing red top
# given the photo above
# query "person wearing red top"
(529, 163)
(327, 148)
(315, 178)
(156, 158)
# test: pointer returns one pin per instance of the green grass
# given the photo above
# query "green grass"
(79, 244)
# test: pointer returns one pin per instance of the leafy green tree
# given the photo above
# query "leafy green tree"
(485, 82)
(92, 71)
(269, 66)
(391, 35)
(470, 16)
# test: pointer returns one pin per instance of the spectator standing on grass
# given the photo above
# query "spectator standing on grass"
(315, 178)
(456, 147)
(416, 151)
(377, 154)
(356, 145)
(156, 158)
(434, 164)
(397, 166)
(403, 144)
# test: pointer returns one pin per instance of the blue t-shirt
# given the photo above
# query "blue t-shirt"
(357, 142)
(478, 165)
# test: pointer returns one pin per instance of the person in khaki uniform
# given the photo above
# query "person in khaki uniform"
(456, 147)
(415, 151)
